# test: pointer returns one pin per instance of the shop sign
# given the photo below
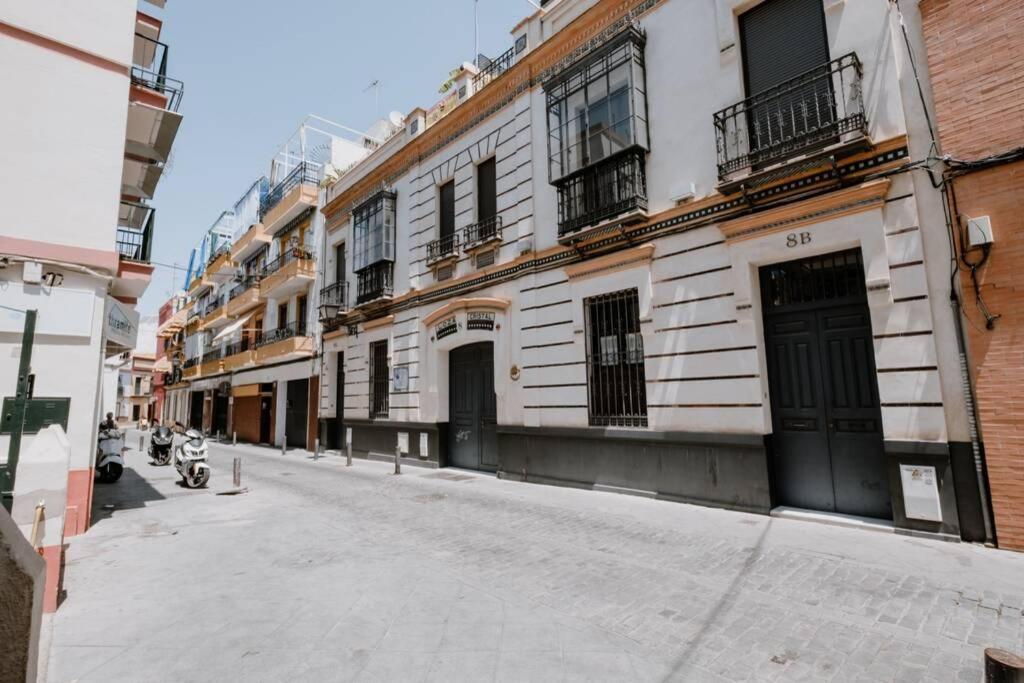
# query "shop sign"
(480, 320)
(446, 327)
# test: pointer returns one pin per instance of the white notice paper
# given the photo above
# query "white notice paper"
(920, 493)
(403, 442)
(423, 445)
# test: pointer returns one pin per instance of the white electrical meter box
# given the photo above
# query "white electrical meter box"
(33, 273)
(979, 231)
(920, 493)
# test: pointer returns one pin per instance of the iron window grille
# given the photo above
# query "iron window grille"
(373, 226)
(812, 110)
(598, 193)
(305, 173)
(151, 71)
(380, 376)
(616, 379)
(442, 248)
(597, 107)
(482, 231)
(375, 282)
(281, 333)
(830, 277)
(492, 68)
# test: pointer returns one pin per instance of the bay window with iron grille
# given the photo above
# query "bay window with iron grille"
(380, 379)
(373, 257)
(597, 134)
(616, 379)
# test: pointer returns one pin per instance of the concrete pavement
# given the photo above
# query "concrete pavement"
(322, 572)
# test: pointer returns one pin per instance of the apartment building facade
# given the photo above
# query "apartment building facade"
(974, 52)
(92, 111)
(666, 248)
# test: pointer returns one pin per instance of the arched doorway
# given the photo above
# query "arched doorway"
(472, 411)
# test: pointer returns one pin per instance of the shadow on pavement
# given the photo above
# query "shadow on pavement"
(129, 492)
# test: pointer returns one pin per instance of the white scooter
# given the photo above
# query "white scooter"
(190, 460)
(109, 456)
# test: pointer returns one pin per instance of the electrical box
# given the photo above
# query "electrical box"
(979, 231)
(40, 413)
(33, 274)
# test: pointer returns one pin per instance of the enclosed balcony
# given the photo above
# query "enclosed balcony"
(283, 343)
(443, 250)
(375, 283)
(818, 113)
(291, 272)
(333, 302)
(613, 189)
(244, 297)
(291, 196)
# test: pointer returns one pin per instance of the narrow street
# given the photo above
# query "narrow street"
(322, 572)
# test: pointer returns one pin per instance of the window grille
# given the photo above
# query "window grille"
(380, 375)
(616, 380)
(829, 277)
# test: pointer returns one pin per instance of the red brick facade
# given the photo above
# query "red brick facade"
(975, 52)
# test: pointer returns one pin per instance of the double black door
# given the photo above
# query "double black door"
(472, 416)
(827, 446)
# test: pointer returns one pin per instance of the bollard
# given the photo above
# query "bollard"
(284, 444)
(234, 438)
(218, 436)
(236, 473)
(1003, 667)
(141, 437)
(348, 454)
(316, 448)
(398, 459)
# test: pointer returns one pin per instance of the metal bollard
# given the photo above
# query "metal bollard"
(284, 444)
(348, 454)
(218, 436)
(316, 449)
(236, 473)
(234, 438)
(1003, 667)
(398, 459)
(141, 437)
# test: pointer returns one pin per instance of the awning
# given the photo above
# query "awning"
(231, 329)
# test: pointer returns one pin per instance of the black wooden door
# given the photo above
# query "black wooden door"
(295, 412)
(266, 415)
(472, 415)
(827, 444)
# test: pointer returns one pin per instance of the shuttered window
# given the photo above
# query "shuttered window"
(447, 209)
(486, 190)
(782, 39)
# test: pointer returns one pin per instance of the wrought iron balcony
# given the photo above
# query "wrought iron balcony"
(480, 233)
(234, 348)
(289, 255)
(135, 237)
(810, 111)
(375, 282)
(289, 331)
(597, 193)
(191, 362)
(306, 173)
(247, 283)
(212, 306)
(443, 248)
(333, 300)
(492, 68)
(151, 71)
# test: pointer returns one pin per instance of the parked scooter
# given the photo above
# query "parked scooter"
(161, 445)
(109, 455)
(190, 459)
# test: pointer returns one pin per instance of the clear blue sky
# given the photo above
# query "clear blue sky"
(253, 70)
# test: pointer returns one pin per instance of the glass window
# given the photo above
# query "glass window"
(597, 108)
(374, 231)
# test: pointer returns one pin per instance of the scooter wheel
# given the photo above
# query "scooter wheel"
(110, 473)
(198, 481)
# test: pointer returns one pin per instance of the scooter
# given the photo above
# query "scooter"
(161, 444)
(190, 460)
(109, 456)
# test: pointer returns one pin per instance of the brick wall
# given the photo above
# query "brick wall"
(997, 356)
(975, 53)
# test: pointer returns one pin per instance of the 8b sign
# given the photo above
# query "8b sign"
(797, 239)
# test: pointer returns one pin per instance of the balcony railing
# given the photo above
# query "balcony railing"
(289, 331)
(333, 299)
(218, 252)
(289, 255)
(601, 192)
(484, 231)
(491, 69)
(191, 362)
(153, 73)
(442, 248)
(809, 111)
(211, 307)
(306, 173)
(234, 348)
(375, 282)
(133, 244)
(247, 283)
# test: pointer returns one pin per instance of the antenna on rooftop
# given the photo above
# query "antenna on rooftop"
(375, 86)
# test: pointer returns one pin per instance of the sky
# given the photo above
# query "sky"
(253, 69)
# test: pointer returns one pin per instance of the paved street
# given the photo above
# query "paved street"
(322, 572)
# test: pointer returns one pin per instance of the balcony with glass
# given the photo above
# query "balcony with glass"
(373, 227)
(597, 137)
(817, 114)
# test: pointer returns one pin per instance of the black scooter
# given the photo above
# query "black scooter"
(160, 445)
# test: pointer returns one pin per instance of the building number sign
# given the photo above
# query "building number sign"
(798, 239)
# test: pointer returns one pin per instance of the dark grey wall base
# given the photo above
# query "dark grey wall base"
(923, 453)
(724, 470)
(380, 436)
(413, 462)
(968, 498)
